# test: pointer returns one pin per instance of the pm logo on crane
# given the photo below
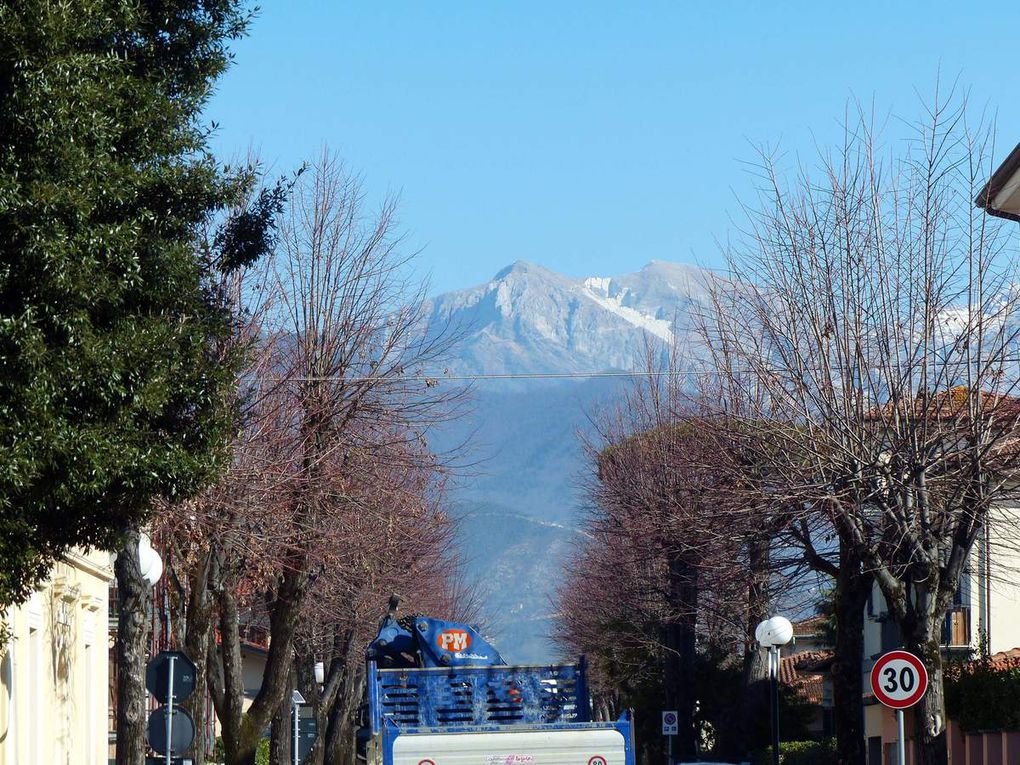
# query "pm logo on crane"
(453, 640)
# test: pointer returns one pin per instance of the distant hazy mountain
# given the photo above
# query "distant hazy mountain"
(520, 504)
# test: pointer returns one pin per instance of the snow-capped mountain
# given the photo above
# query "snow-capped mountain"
(522, 499)
(529, 319)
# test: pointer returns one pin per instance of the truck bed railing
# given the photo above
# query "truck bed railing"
(478, 696)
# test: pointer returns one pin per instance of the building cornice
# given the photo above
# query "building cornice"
(88, 566)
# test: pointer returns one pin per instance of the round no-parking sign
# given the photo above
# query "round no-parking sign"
(899, 679)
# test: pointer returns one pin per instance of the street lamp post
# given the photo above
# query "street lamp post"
(773, 634)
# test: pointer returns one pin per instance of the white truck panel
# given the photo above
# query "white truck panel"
(536, 747)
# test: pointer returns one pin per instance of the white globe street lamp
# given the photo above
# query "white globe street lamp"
(773, 634)
(149, 561)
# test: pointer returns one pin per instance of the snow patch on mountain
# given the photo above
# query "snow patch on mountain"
(598, 289)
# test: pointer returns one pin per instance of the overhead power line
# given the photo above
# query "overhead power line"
(571, 375)
(506, 376)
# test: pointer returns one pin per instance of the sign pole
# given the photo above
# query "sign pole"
(170, 707)
(296, 733)
(774, 673)
(903, 739)
(670, 759)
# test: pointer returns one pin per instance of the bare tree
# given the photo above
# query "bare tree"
(334, 388)
(782, 535)
(406, 546)
(872, 311)
(665, 562)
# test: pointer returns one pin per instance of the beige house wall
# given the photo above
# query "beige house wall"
(54, 673)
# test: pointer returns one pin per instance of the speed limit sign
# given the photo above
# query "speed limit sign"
(899, 679)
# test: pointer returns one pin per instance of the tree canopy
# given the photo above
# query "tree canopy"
(111, 392)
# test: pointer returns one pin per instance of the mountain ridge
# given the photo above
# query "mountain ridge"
(529, 319)
(520, 511)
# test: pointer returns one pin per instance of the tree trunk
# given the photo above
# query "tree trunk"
(681, 652)
(243, 730)
(245, 752)
(133, 600)
(922, 638)
(754, 699)
(241, 734)
(194, 618)
(282, 737)
(342, 721)
(851, 598)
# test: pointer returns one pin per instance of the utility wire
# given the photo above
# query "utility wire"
(481, 376)
(563, 375)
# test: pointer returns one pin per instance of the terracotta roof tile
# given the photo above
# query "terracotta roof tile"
(948, 405)
(805, 672)
(1006, 659)
(810, 626)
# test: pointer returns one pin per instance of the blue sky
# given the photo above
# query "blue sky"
(590, 137)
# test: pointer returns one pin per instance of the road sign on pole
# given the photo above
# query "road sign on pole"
(182, 732)
(170, 676)
(899, 680)
(158, 673)
(670, 723)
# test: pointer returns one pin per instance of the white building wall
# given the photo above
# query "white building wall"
(54, 672)
(992, 594)
(1004, 580)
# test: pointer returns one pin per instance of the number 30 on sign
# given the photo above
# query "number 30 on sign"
(899, 679)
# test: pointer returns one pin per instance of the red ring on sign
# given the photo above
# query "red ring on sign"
(922, 679)
(597, 760)
(426, 762)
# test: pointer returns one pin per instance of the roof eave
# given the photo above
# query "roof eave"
(999, 179)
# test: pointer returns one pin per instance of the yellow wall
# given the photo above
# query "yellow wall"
(54, 674)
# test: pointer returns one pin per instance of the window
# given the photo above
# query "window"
(875, 750)
(891, 637)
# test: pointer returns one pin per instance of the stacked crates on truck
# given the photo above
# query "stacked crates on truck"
(495, 714)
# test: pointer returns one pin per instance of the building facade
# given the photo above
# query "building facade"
(985, 616)
(54, 674)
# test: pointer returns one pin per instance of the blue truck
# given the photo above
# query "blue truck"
(440, 694)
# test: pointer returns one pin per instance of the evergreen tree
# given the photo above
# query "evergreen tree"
(110, 392)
